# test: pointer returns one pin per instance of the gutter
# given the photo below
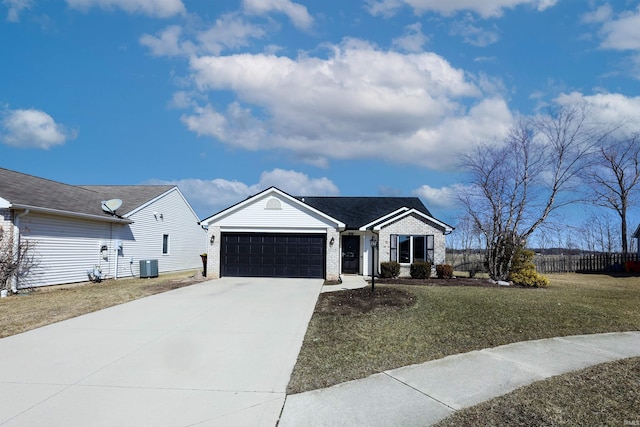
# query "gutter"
(34, 209)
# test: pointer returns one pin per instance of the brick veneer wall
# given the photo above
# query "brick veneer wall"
(412, 225)
(333, 255)
(213, 253)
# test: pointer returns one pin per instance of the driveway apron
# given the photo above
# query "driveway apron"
(213, 354)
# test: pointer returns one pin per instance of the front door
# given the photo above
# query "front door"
(351, 254)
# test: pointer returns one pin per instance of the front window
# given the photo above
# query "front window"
(407, 249)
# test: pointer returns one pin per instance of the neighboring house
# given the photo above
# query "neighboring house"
(72, 233)
(274, 234)
(636, 236)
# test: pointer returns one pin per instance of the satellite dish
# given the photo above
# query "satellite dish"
(111, 205)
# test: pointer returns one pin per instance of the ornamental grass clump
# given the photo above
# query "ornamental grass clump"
(444, 271)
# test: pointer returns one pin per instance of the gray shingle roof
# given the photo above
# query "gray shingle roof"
(356, 212)
(132, 196)
(28, 190)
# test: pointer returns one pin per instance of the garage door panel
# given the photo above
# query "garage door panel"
(273, 255)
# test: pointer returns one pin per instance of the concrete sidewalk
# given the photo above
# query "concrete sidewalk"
(421, 395)
(349, 281)
(218, 353)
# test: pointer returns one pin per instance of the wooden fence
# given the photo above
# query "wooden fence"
(596, 263)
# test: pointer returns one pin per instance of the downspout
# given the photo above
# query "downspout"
(16, 246)
(115, 275)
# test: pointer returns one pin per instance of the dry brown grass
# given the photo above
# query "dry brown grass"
(602, 395)
(40, 307)
(447, 320)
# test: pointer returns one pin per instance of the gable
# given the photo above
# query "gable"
(419, 219)
(272, 209)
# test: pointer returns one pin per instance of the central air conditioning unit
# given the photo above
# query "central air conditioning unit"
(148, 268)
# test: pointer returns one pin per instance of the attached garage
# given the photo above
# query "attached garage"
(273, 234)
(273, 255)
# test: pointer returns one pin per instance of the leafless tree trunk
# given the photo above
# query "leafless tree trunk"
(463, 241)
(515, 186)
(14, 262)
(614, 177)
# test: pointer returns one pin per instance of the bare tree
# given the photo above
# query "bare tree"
(516, 185)
(15, 260)
(598, 235)
(464, 243)
(614, 176)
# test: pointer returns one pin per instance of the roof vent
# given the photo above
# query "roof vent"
(273, 204)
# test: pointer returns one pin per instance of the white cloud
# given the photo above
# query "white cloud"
(608, 109)
(601, 14)
(229, 32)
(296, 183)
(297, 13)
(386, 8)
(360, 102)
(155, 8)
(210, 196)
(413, 40)
(622, 33)
(237, 125)
(32, 129)
(15, 7)
(472, 34)
(445, 197)
(484, 8)
(167, 43)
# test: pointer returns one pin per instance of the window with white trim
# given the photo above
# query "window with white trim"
(407, 249)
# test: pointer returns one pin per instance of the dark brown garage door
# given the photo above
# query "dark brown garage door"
(273, 255)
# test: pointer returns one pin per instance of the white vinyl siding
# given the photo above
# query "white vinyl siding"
(186, 236)
(262, 215)
(67, 247)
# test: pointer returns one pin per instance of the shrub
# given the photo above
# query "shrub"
(523, 270)
(444, 271)
(530, 278)
(389, 270)
(420, 270)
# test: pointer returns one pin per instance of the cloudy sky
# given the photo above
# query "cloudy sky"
(363, 97)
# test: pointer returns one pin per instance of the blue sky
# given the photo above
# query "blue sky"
(355, 98)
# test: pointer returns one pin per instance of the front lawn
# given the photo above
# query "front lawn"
(347, 340)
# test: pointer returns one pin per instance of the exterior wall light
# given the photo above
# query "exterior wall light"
(212, 239)
(332, 241)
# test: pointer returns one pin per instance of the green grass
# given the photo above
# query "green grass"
(449, 320)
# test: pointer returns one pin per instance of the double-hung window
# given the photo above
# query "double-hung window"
(407, 249)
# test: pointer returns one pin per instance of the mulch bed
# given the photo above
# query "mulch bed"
(363, 301)
(458, 281)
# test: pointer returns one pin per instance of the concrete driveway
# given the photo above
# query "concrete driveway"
(216, 353)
